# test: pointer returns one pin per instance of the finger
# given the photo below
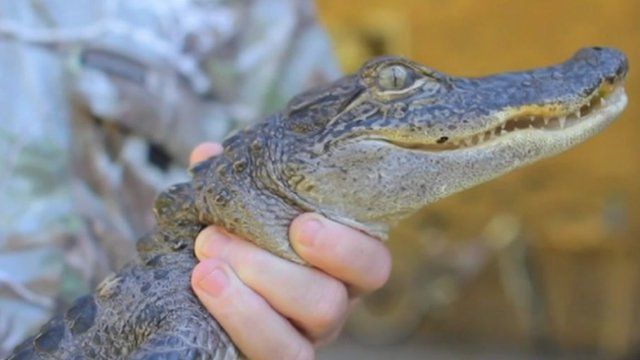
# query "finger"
(314, 301)
(349, 255)
(204, 151)
(257, 330)
(332, 336)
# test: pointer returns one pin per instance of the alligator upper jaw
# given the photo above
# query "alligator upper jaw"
(602, 107)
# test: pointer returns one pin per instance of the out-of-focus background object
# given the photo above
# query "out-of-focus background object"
(542, 263)
(100, 105)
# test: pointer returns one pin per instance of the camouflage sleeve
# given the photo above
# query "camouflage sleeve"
(112, 99)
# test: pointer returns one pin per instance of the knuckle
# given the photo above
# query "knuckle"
(331, 306)
(248, 257)
(380, 276)
(328, 339)
(370, 269)
(250, 262)
(302, 351)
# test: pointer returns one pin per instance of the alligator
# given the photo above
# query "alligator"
(366, 150)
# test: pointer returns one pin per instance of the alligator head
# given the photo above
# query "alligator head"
(376, 146)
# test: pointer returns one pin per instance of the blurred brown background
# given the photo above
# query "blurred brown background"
(560, 269)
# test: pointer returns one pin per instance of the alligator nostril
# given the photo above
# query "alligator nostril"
(597, 48)
(622, 69)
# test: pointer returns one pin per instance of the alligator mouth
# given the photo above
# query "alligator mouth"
(607, 95)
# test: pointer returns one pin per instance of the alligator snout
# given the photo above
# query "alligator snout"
(612, 64)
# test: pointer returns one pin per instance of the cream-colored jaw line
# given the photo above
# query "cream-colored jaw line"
(600, 106)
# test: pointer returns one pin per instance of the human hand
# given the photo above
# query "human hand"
(273, 308)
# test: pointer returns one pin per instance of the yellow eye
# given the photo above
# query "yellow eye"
(394, 77)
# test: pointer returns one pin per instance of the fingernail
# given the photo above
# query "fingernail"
(209, 242)
(215, 282)
(310, 230)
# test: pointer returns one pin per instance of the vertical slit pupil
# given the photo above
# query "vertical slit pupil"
(396, 77)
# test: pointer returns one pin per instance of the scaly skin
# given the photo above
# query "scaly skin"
(366, 151)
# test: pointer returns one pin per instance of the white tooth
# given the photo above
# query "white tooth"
(577, 114)
(562, 121)
(546, 121)
(603, 101)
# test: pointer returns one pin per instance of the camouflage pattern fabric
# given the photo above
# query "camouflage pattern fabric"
(102, 102)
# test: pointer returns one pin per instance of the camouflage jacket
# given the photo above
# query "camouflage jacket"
(104, 101)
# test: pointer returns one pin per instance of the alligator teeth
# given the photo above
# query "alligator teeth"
(487, 136)
(585, 110)
(526, 122)
(562, 121)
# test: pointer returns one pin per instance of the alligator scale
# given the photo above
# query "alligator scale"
(397, 132)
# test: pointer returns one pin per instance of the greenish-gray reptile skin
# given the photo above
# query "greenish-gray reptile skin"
(367, 150)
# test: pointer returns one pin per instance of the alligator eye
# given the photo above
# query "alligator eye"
(394, 77)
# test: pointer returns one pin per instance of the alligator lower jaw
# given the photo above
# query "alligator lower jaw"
(600, 108)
